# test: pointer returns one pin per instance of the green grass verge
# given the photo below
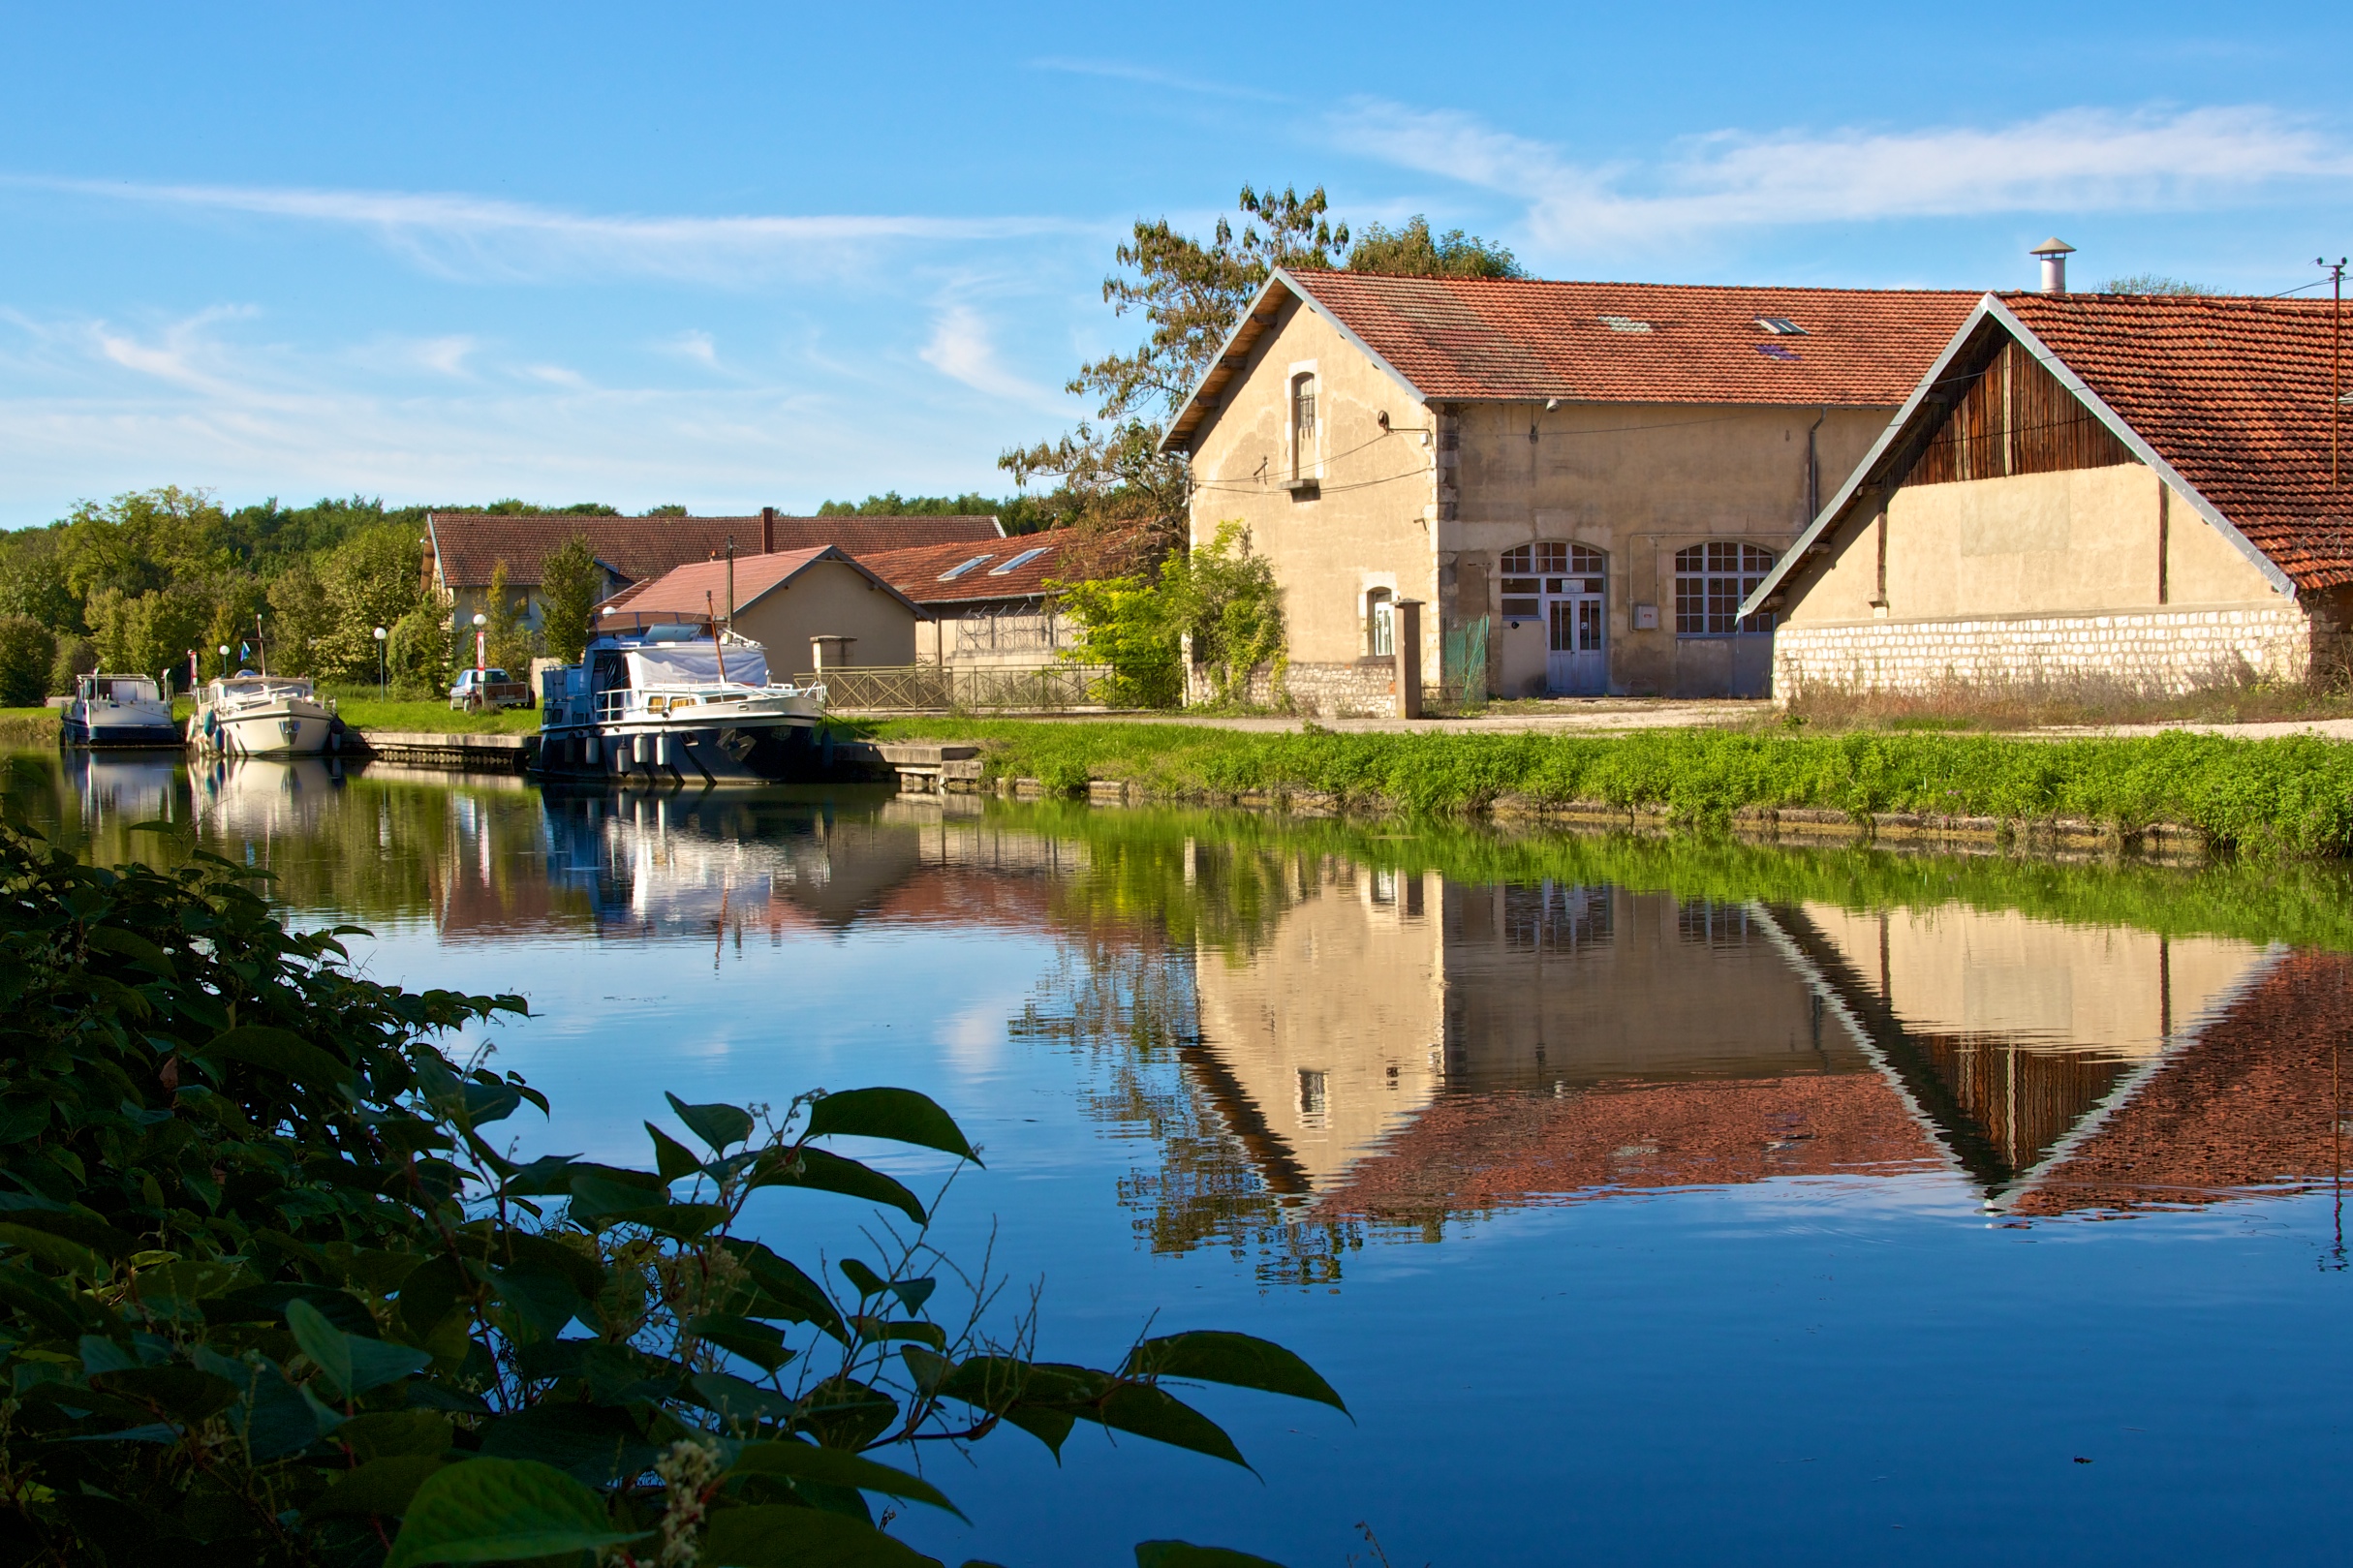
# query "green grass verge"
(2290, 797)
(28, 727)
(434, 718)
(1219, 878)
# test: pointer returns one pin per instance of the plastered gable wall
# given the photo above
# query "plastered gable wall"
(1639, 483)
(832, 600)
(1367, 527)
(2086, 541)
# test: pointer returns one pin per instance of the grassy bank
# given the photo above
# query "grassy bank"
(2288, 797)
(1218, 877)
(434, 718)
(28, 727)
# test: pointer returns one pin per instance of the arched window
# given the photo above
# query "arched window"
(1380, 623)
(1551, 567)
(1711, 580)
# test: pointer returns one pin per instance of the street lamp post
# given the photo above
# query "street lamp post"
(379, 637)
(224, 658)
(481, 659)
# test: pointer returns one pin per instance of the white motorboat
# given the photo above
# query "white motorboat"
(118, 710)
(249, 715)
(674, 703)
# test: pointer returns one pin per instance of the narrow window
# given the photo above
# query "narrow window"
(1380, 623)
(1710, 582)
(1303, 427)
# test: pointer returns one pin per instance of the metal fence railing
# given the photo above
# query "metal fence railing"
(968, 689)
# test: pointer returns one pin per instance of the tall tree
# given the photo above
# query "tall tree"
(1112, 476)
(1412, 251)
(569, 581)
(509, 637)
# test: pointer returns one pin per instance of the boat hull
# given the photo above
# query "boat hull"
(279, 730)
(101, 730)
(763, 751)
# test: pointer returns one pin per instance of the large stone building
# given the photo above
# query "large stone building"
(2130, 488)
(1590, 476)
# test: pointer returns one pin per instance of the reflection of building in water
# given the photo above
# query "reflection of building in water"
(2016, 1037)
(1594, 1039)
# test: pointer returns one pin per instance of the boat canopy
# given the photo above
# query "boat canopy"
(697, 663)
(124, 687)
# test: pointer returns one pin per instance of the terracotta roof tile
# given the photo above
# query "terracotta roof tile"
(691, 591)
(2234, 394)
(916, 572)
(641, 548)
(1675, 343)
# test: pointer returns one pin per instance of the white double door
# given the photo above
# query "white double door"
(1576, 625)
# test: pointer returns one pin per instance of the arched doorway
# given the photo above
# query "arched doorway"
(1565, 587)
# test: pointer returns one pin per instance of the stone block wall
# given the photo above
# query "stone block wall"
(1324, 691)
(2176, 649)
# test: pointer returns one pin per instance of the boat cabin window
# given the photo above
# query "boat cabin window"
(611, 672)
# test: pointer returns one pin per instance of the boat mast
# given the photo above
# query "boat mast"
(718, 642)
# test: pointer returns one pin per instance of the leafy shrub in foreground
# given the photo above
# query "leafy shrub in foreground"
(270, 1294)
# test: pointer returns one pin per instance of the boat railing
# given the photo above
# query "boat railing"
(662, 702)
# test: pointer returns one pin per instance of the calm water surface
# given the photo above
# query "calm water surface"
(1647, 1204)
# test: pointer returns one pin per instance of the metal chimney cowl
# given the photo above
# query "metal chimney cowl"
(2053, 253)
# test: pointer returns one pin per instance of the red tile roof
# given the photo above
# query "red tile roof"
(694, 590)
(1473, 339)
(470, 545)
(917, 572)
(2233, 393)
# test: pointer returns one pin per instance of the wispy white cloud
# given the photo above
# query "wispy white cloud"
(700, 347)
(460, 235)
(91, 406)
(1122, 71)
(963, 349)
(2076, 160)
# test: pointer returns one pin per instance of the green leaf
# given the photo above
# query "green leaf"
(825, 1172)
(27, 1292)
(180, 1394)
(719, 1125)
(595, 1444)
(386, 1433)
(141, 951)
(673, 1160)
(490, 1509)
(738, 1402)
(869, 1282)
(1236, 1360)
(55, 1250)
(1153, 1413)
(1184, 1554)
(543, 1298)
(350, 1364)
(835, 1468)
(384, 1485)
(784, 1537)
(756, 1342)
(785, 1291)
(280, 1051)
(900, 1115)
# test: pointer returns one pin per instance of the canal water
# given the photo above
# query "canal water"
(1648, 1200)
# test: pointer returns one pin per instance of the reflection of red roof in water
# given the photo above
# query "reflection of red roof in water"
(1469, 1152)
(2251, 1102)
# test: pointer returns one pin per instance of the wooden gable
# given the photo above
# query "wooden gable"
(2014, 416)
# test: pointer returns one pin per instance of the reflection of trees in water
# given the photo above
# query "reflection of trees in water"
(1123, 1001)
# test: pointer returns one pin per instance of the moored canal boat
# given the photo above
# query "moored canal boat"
(249, 715)
(118, 710)
(674, 704)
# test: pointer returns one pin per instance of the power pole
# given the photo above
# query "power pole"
(2336, 364)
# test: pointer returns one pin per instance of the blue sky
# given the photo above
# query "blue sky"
(744, 256)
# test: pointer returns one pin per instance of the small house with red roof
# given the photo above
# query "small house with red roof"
(463, 550)
(813, 609)
(987, 604)
(2134, 488)
(1580, 482)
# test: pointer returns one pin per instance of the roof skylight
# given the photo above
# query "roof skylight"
(1024, 556)
(1773, 350)
(953, 572)
(1780, 327)
(1624, 323)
